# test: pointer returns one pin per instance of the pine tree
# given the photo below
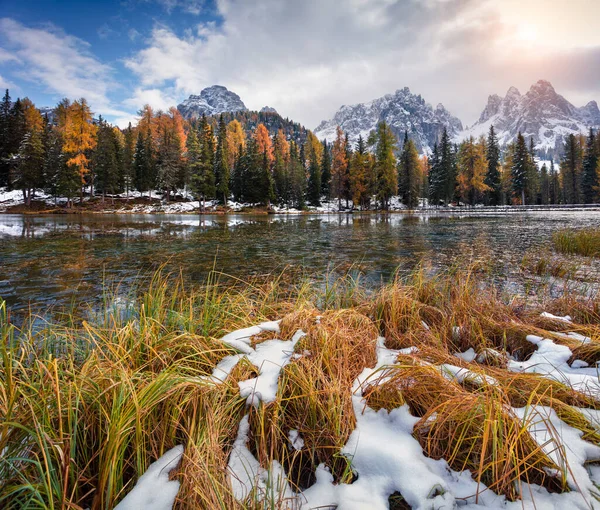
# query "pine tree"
(55, 166)
(29, 164)
(221, 168)
(339, 165)
(554, 184)
(436, 180)
(326, 171)
(589, 181)
(203, 176)
(143, 162)
(544, 185)
(169, 160)
(5, 139)
(314, 178)
(492, 178)
(519, 168)
(409, 174)
(128, 157)
(281, 151)
(297, 177)
(105, 160)
(570, 169)
(385, 165)
(532, 179)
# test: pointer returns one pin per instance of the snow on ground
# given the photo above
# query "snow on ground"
(550, 359)
(384, 454)
(154, 490)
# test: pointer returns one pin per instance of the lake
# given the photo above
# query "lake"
(56, 259)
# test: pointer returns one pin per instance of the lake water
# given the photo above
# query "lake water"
(54, 259)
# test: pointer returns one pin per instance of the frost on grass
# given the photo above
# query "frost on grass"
(154, 490)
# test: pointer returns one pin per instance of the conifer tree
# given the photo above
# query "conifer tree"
(435, 190)
(326, 171)
(519, 168)
(385, 165)
(169, 160)
(5, 139)
(589, 181)
(297, 177)
(79, 139)
(106, 160)
(129, 143)
(221, 168)
(203, 177)
(360, 178)
(409, 175)
(29, 164)
(570, 169)
(492, 178)
(544, 185)
(472, 168)
(554, 184)
(281, 151)
(55, 166)
(314, 178)
(532, 179)
(339, 165)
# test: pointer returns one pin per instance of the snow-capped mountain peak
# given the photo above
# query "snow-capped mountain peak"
(402, 110)
(541, 113)
(211, 101)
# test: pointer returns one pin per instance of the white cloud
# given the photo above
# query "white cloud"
(158, 99)
(308, 58)
(5, 84)
(61, 62)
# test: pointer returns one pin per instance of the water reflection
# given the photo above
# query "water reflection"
(53, 259)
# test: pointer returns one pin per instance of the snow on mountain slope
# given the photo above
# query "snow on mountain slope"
(402, 110)
(211, 101)
(541, 113)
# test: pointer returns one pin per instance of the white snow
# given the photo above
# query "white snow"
(154, 490)
(566, 318)
(550, 360)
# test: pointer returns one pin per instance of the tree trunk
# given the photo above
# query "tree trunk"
(523, 197)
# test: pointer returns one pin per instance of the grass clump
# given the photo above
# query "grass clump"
(87, 404)
(585, 242)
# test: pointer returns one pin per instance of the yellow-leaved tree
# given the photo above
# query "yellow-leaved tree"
(236, 140)
(79, 138)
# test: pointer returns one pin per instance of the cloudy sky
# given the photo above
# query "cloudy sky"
(305, 58)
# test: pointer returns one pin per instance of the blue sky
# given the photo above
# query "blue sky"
(305, 58)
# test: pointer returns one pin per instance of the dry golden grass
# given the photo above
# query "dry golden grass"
(85, 407)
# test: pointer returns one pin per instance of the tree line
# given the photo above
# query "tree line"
(69, 153)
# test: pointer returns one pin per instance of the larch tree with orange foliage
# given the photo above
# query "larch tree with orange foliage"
(263, 142)
(472, 169)
(339, 165)
(79, 139)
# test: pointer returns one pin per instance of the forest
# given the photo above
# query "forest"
(258, 159)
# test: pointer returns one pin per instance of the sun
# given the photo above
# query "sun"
(527, 33)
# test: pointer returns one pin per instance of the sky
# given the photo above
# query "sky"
(305, 58)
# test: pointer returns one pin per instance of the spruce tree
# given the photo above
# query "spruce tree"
(221, 168)
(544, 185)
(385, 165)
(360, 178)
(589, 181)
(314, 180)
(128, 156)
(409, 174)
(5, 139)
(169, 161)
(570, 169)
(519, 168)
(106, 160)
(54, 164)
(554, 185)
(29, 165)
(326, 170)
(492, 178)
(436, 181)
(532, 179)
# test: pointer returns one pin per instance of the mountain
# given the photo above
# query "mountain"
(268, 109)
(403, 111)
(541, 113)
(211, 101)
